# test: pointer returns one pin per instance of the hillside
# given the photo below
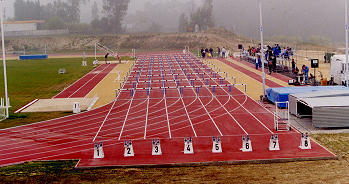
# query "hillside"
(139, 41)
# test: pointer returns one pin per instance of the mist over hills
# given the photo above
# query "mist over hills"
(299, 19)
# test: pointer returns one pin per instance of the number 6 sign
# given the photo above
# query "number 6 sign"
(246, 144)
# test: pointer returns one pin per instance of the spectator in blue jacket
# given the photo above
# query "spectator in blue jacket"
(305, 71)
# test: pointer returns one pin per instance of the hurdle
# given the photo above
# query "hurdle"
(177, 87)
(282, 117)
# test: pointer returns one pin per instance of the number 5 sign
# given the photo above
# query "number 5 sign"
(217, 145)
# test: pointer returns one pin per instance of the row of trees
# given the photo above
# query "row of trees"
(202, 17)
(62, 14)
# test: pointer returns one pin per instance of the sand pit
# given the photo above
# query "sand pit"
(60, 105)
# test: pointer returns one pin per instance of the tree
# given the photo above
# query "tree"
(55, 23)
(115, 11)
(95, 11)
(203, 16)
(27, 10)
(68, 11)
(183, 23)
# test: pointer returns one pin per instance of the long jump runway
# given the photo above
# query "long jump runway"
(166, 97)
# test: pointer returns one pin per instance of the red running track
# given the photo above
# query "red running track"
(84, 85)
(277, 75)
(249, 73)
(181, 111)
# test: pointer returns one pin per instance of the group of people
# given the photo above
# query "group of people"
(271, 54)
(209, 53)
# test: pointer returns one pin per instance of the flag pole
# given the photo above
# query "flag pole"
(4, 57)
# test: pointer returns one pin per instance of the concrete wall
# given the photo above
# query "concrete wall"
(21, 27)
(37, 32)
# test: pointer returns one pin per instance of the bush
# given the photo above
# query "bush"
(54, 23)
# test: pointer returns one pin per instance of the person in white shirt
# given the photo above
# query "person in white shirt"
(223, 52)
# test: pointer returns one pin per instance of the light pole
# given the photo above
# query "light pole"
(4, 56)
(262, 45)
(346, 44)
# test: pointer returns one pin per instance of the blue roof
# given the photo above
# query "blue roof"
(281, 94)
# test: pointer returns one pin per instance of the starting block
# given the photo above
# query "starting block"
(246, 144)
(188, 146)
(76, 108)
(156, 148)
(274, 143)
(305, 141)
(98, 150)
(216, 145)
(128, 152)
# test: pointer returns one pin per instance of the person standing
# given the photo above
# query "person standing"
(106, 58)
(211, 51)
(270, 67)
(218, 52)
(206, 52)
(293, 65)
(202, 53)
(119, 58)
(223, 52)
(305, 71)
(257, 62)
(274, 63)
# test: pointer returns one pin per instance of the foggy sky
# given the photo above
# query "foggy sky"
(302, 18)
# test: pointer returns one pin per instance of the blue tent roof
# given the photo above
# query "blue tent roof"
(281, 94)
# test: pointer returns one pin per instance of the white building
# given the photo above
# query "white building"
(29, 28)
(31, 25)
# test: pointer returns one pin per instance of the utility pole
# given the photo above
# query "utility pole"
(346, 44)
(4, 57)
(262, 45)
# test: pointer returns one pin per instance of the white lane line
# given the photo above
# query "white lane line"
(24, 107)
(128, 110)
(91, 72)
(105, 119)
(244, 107)
(89, 81)
(202, 104)
(146, 120)
(185, 107)
(168, 121)
(220, 102)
